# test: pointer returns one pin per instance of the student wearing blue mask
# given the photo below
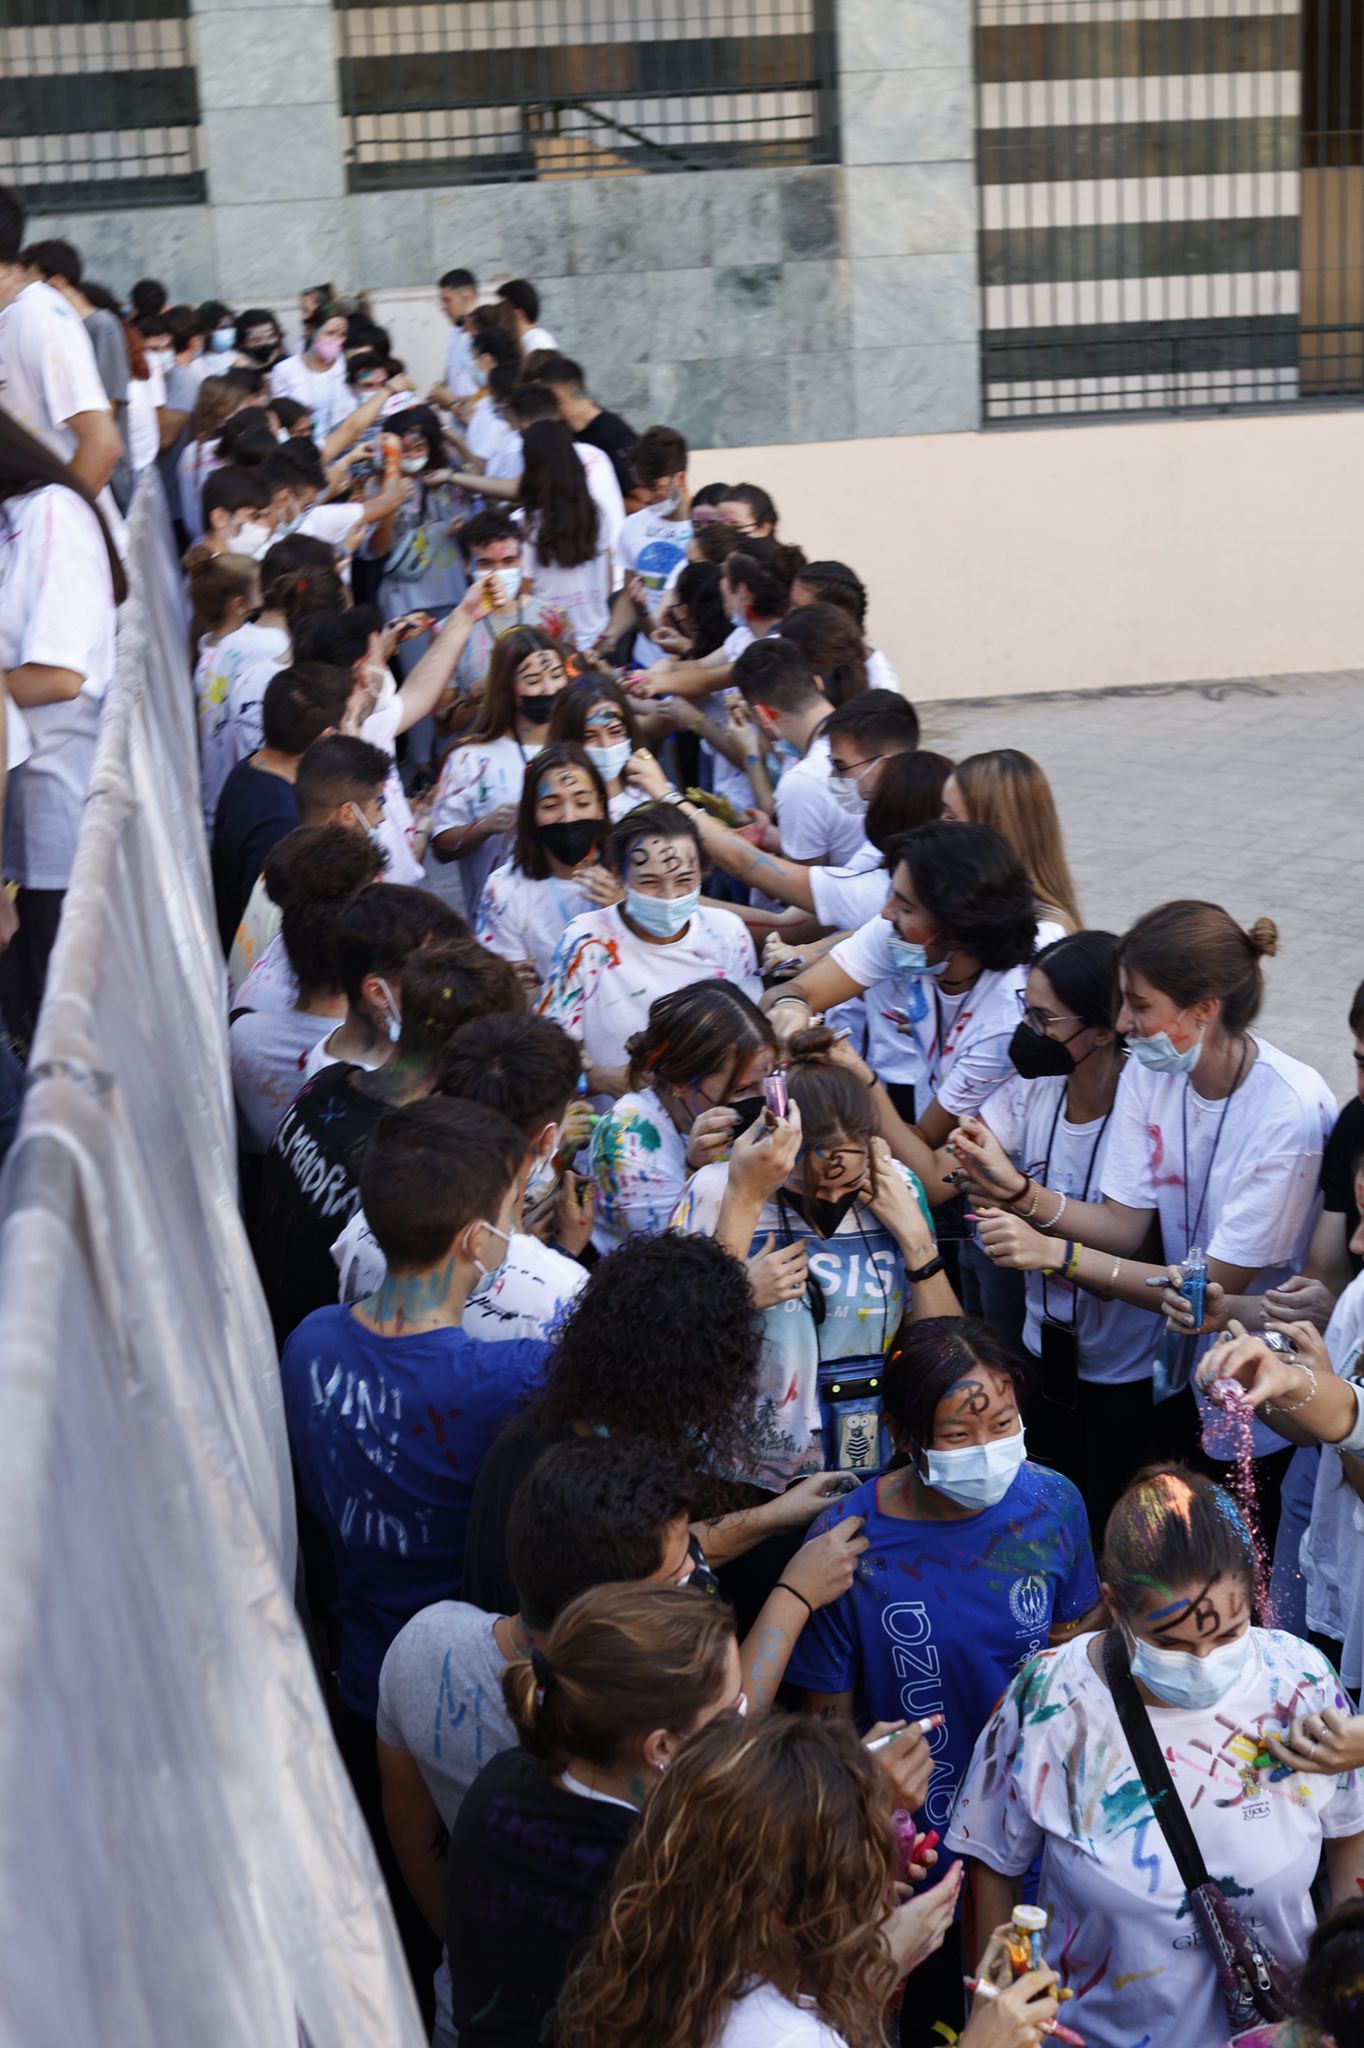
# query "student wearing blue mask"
(1175, 1684)
(977, 1560)
(612, 964)
(596, 714)
(1217, 1137)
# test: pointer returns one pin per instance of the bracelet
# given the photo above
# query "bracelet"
(1287, 1407)
(1112, 1280)
(1012, 1201)
(928, 1272)
(777, 1001)
(1074, 1254)
(782, 1586)
(1069, 1257)
(1055, 1217)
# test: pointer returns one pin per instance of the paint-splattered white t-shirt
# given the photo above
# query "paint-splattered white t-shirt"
(1053, 1772)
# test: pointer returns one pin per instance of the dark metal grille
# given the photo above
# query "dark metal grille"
(1171, 204)
(98, 102)
(465, 91)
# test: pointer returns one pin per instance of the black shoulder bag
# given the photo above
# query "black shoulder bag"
(1253, 1986)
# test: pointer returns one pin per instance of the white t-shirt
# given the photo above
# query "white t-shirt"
(56, 609)
(535, 338)
(604, 485)
(461, 378)
(269, 1050)
(582, 593)
(320, 1057)
(963, 1039)
(477, 778)
(249, 658)
(1332, 1552)
(487, 431)
(846, 897)
(1052, 1771)
(763, 2018)
(880, 674)
(1262, 1195)
(639, 1162)
(603, 978)
(1117, 1342)
(725, 779)
(146, 395)
(48, 371)
(813, 825)
(397, 829)
(260, 924)
(325, 392)
(654, 548)
(523, 919)
(531, 1288)
(270, 983)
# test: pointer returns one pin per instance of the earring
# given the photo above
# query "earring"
(659, 1765)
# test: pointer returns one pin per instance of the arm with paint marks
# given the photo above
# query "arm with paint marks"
(821, 1571)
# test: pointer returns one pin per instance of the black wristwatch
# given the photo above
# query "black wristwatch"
(928, 1272)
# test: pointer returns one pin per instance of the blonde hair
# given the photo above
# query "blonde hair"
(214, 580)
(619, 1662)
(766, 1851)
(1008, 790)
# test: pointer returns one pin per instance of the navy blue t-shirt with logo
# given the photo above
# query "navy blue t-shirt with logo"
(942, 1614)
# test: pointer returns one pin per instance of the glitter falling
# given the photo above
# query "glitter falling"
(1229, 1433)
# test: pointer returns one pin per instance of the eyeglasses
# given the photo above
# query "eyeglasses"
(1041, 1019)
(853, 774)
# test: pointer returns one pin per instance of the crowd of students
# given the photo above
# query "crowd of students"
(797, 1352)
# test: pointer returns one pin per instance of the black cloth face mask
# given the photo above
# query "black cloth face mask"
(747, 1109)
(821, 1214)
(572, 840)
(538, 710)
(1037, 1057)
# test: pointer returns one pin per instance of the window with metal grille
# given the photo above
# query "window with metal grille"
(1171, 200)
(465, 91)
(99, 104)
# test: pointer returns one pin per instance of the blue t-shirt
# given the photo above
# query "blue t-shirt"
(388, 1434)
(942, 1614)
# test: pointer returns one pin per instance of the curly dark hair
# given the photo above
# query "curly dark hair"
(663, 1344)
(975, 888)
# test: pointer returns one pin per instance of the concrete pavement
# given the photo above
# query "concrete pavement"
(1247, 793)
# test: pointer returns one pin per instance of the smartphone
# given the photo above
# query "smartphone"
(1059, 1364)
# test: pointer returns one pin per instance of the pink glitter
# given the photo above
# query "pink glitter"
(1229, 1433)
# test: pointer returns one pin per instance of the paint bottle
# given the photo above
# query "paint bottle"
(1178, 1348)
(1030, 1927)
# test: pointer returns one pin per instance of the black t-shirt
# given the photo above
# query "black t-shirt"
(1344, 1146)
(530, 1866)
(309, 1192)
(615, 437)
(255, 811)
(487, 1581)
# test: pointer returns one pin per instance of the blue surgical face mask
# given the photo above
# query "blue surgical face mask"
(1181, 1678)
(663, 917)
(486, 1274)
(976, 1475)
(543, 1176)
(222, 340)
(907, 956)
(785, 752)
(609, 761)
(1160, 1053)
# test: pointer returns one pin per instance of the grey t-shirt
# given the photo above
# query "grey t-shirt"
(440, 1699)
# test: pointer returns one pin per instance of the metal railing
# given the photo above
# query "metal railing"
(1170, 205)
(482, 91)
(99, 105)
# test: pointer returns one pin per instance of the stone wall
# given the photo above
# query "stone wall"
(748, 307)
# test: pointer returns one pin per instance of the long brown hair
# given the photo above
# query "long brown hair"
(709, 1027)
(497, 715)
(619, 1662)
(765, 1852)
(1008, 790)
(214, 580)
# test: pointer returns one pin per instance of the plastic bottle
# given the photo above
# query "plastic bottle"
(1178, 1348)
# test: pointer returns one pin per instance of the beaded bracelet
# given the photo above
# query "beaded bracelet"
(1287, 1407)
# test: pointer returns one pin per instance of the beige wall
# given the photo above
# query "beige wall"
(1078, 557)
(1071, 557)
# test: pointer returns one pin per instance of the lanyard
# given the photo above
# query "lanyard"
(1191, 1234)
(813, 1284)
(962, 1017)
(1084, 1196)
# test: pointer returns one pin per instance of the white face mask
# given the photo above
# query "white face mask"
(161, 358)
(253, 537)
(486, 1274)
(543, 1176)
(413, 465)
(847, 794)
(508, 581)
(667, 506)
(608, 761)
(976, 1475)
(394, 1021)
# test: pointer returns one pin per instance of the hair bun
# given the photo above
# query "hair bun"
(815, 1042)
(1264, 937)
